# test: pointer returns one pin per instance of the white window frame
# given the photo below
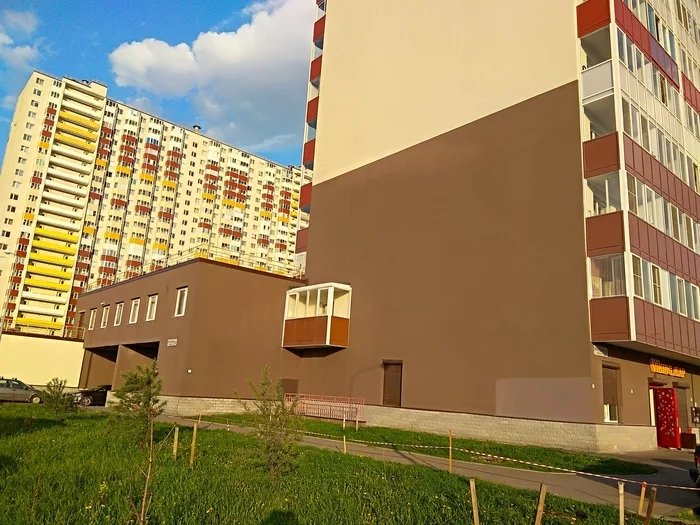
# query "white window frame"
(93, 318)
(181, 301)
(118, 313)
(134, 312)
(105, 316)
(152, 307)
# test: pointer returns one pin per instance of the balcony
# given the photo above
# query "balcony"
(592, 15)
(54, 197)
(90, 123)
(302, 238)
(65, 162)
(312, 112)
(309, 153)
(610, 319)
(317, 317)
(83, 98)
(315, 73)
(63, 212)
(71, 190)
(73, 153)
(305, 198)
(597, 82)
(319, 31)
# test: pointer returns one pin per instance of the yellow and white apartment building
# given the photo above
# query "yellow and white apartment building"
(94, 191)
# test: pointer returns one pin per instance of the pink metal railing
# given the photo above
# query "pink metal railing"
(329, 407)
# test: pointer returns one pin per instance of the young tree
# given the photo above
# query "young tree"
(56, 399)
(138, 399)
(276, 423)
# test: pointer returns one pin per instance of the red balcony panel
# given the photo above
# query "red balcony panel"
(172, 164)
(263, 242)
(285, 203)
(309, 152)
(243, 179)
(281, 246)
(18, 266)
(605, 234)
(37, 180)
(237, 234)
(129, 138)
(131, 263)
(230, 184)
(51, 111)
(14, 293)
(302, 240)
(212, 167)
(105, 130)
(150, 156)
(243, 187)
(118, 202)
(16, 279)
(103, 152)
(225, 231)
(320, 28)
(174, 154)
(600, 155)
(312, 111)
(315, 72)
(69, 317)
(286, 194)
(109, 258)
(46, 134)
(209, 188)
(95, 196)
(106, 270)
(80, 277)
(49, 122)
(266, 206)
(11, 306)
(105, 142)
(205, 225)
(305, 196)
(268, 187)
(82, 266)
(84, 253)
(142, 209)
(23, 241)
(592, 15)
(171, 174)
(21, 253)
(151, 146)
(165, 215)
(610, 319)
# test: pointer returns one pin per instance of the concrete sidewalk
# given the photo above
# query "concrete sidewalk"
(672, 470)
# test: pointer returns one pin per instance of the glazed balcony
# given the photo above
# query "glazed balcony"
(312, 112)
(317, 317)
(319, 31)
(305, 198)
(309, 153)
(315, 73)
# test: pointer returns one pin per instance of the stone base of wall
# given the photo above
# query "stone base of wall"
(581, 437)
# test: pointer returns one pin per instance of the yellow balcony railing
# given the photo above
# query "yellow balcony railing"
(42, 257)
(28, 216)
(25, 321)
(78, 131)
(266, 214)
(77, 143)
(239, 205)
(89, 230)
(208, 196)
(170, 184)
(77, 119)
(44, 145)
(50, 272)
(228, 202)
(282, 218)
(147, 177)
(48, 285)
(113, 235)
(123, 169)
(101, 162)
(136, 240)
(160, 246)
(58, 235)
(295, 196)
(294, 213)
(53, 247)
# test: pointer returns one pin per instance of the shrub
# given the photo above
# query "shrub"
(137, 400)
(56, 399)
(276, 423)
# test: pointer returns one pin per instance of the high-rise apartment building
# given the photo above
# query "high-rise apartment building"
(511, 193)
(94, 190)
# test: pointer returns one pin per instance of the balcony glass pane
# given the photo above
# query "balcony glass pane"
(313, 298)
(323, 301)
(301, 305)
(607, 276)
(291, 306)
(341, 303)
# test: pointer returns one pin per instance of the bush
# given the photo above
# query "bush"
(137, 400)
(276, 423)
(56, 399)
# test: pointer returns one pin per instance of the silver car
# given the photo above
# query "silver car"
(15, 390)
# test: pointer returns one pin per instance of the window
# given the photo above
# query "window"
(682, 306)
(637, 275)
(656, 284)
(93, 316)
(607, 276)
(611, 408)
(134, 313)
(632, 193)
(181, 302)
(152, 305)
(118, 314)
(105, 316)
(603, 194)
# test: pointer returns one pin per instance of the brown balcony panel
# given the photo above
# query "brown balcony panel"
(601, 156)
(308, 153)
(311, 332)
(302, 240)
(340, 329)
(591, 16)
(315, 72)
(312, 112)
(319, 30)
(305, 197)
(610, 320)
(605, 234)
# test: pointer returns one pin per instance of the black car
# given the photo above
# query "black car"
(92, 396)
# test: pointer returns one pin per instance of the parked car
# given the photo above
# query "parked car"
(14, 390)
(92, 396)
(696, 467)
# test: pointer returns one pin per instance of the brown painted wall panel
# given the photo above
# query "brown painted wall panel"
(605, 234)
(302, 240)
(340, 329)
(610, 319)
(309, 331)
(458, 353)
(591, 16)
(601, 156)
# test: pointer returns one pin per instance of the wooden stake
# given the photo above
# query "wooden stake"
(357, 420)
(640, 509)
(475, 504)
(650, 506)
(450, 451)
(194, 443)
(343, 421)
(621, 501)
(176, 437)
(540, 504)
(345, 446)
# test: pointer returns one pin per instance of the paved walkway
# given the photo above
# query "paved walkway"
(672, 466)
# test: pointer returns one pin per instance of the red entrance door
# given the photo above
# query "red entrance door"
(667, 432)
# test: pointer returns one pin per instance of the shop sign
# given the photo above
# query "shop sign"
(657, 367)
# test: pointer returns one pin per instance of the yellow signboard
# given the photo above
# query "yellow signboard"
(657, 367)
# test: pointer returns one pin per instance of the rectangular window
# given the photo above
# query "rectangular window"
(632, 193)
(118, 314)
(93, 317)
(134, 313)
(682, 306)
(603, 195)
(152, 305)
(637, 274)
(607, 276)
(105, 316)
(675, 223)
(656, 284)
(695, 300)
(689, 233)
(611, 407)
(181, 302)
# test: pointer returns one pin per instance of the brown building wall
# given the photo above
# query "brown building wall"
(490, 316)
(98, 367)
(231, 329)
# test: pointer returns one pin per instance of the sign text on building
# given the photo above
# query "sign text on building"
(658, 367)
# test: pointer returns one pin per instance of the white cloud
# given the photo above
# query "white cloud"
(19, 21)
(248, 85)
(8, 101)
(145, 104)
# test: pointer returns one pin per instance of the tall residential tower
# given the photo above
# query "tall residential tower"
(95, 190)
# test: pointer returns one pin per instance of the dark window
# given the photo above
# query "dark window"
(611, 405)
(392, 384)
(682, 402)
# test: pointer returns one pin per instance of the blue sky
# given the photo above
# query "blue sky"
(236, 68)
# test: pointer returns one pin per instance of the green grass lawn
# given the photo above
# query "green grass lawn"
(547, 456)
(82, 471)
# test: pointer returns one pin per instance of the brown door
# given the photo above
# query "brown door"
(682, 409)
(392, 384)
